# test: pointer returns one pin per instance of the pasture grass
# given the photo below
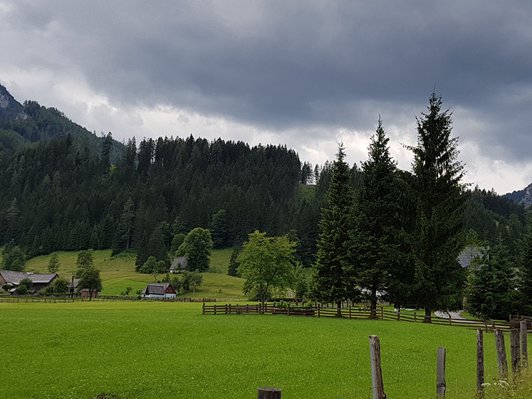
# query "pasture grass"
(118, 273)
(150, 350)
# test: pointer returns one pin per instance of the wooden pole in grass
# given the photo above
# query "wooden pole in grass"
(524, 344)
(376, 370)
(480, 362)
(501, 354)
(441, 385)
(514, 350)
(269, 393)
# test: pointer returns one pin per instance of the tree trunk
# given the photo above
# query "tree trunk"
(339, 308)
(373, 304)
(428, 315)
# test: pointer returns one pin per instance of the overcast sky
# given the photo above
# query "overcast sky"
(308, 74)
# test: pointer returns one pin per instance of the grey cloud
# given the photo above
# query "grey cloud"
(283, 65)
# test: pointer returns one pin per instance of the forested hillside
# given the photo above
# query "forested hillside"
(64, 188)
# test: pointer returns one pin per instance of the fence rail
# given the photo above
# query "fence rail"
(350, 312)
(99, 298)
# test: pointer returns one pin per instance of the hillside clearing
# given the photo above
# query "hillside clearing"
(118, 273)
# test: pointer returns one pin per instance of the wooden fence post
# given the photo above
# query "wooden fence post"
(399, 314)
(480, 362)
(203, 308)
(524, 344)
(415, 317)
(350, 312)
(215, 309)
(441, 385)
(269, 393)
(382, 312)
(501, 355)
(319, 310)
(514, 350)
(376, 370)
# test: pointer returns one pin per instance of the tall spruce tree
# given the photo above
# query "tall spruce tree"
(526, 284)
(437, 236)
(375, 218)
(333, 275)
(490, 291)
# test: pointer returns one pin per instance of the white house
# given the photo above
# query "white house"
(159, 291)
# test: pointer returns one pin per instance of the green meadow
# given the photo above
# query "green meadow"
(151, 350)
(118, 273)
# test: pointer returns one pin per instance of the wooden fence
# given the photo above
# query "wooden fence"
(519, 362)
(350, 312)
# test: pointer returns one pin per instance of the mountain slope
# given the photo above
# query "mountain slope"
(523, 196)
(33, 123)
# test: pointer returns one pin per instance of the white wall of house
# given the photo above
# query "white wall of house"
(157, 296)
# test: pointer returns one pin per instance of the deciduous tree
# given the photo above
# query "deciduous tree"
(266, 263)
(53, 263)
(197, 248)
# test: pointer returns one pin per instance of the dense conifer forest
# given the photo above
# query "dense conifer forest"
(65, 188)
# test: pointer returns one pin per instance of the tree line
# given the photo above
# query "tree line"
(63, 193)
(386, 234)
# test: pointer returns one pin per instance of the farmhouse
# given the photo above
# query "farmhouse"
(159, 291)
(469, 254)
(11, 279)
(179, 264)
(73, 287)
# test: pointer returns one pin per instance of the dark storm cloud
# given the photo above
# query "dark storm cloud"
(284, 65)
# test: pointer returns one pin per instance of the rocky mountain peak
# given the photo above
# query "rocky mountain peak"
(9, 107)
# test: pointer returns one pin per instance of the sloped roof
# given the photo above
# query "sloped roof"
(41, 278)
(179, 263)
(14, 278)
(157, 289)
(470, 253)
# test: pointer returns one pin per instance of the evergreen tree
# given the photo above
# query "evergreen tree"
(375, 233)
(490, 291)
(232, 270)
(124, 233)
(156, 244)
(105, 158)
(438, 190)
(218, 228)
(334, 276)
(526, 284)
(53, 264)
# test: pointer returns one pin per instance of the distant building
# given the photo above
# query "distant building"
(469, 254)
(159, 291)
(10, 280)
(179, 264)
(73, 289)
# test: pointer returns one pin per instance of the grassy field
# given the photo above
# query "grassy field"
(118, 273)
(150, 350)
